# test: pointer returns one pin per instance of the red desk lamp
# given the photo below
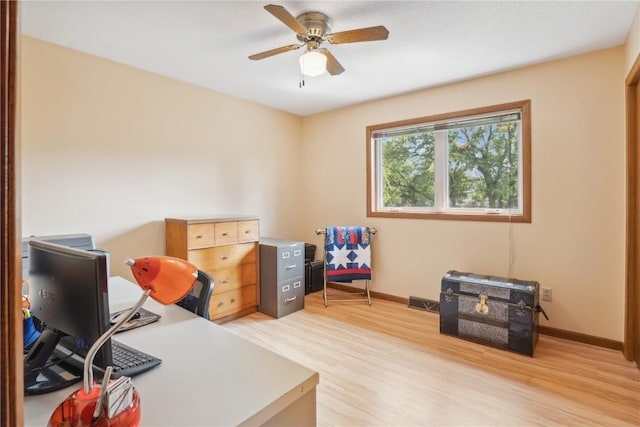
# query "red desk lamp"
(165, 279)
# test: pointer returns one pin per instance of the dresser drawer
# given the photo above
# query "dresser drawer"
(226, 233)
(221, 257)
(248, 231)
(233, 278)
(200, 235)
(226, 303)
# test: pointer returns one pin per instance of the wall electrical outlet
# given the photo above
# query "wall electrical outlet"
(546, 294)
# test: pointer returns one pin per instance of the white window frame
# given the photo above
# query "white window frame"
(441, 208)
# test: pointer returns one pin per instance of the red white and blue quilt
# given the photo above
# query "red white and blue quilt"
(347, 254)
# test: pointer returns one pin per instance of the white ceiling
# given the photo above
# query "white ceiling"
(430, 42)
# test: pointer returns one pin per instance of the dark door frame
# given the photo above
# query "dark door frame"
(632, 269)
(11, 347)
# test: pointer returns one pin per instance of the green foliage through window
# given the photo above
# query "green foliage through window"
(483, 166)
(408, 170)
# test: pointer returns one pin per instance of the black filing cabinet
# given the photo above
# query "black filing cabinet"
(314, 276)
(281, 276)
(313, 270)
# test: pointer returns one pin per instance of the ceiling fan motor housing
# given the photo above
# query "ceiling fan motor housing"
(317, 25)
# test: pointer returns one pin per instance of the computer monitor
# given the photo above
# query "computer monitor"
(70, 299)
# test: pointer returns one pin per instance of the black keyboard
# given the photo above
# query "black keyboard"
(127, 361)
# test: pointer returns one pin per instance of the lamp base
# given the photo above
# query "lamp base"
(77, 411)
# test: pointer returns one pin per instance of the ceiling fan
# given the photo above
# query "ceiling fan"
(313, 29)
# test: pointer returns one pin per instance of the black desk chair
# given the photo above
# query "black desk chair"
(197, 300)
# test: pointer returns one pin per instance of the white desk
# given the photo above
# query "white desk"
(208, 377)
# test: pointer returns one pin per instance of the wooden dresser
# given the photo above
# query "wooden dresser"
(227, 249)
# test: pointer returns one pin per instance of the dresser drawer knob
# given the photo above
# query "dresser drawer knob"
(233, 300)
(247, 231)
(226, 257)
(221, 303)
(199, 236)
(227, 281)
(225, 234)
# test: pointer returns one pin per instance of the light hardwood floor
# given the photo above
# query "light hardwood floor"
(388, 365)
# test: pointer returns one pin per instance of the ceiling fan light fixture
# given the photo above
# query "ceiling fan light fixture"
(313, 64)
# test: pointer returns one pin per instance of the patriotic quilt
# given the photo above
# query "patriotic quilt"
(347, 254)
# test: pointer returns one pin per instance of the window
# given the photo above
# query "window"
(468, 165)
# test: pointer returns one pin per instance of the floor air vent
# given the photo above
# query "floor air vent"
(424, 304)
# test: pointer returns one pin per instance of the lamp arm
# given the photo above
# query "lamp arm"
(91, 354)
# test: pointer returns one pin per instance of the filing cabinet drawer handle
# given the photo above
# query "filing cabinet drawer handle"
(297, 285)
(297, 252)
(290, 299)
(289, 267)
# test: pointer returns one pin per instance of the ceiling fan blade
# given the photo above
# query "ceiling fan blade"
(359, 35)
(287, 19)
(276, 51)
(333, 66)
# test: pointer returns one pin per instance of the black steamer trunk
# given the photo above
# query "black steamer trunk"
(490, 310)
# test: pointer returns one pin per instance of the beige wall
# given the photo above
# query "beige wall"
(632, 45)
(111, 150)
(575, 243)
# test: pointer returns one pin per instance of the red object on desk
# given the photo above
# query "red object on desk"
(77, 410)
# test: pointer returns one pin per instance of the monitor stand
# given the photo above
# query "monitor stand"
(44, 373)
